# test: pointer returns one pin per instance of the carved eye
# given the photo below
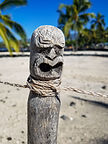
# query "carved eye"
(58, 50)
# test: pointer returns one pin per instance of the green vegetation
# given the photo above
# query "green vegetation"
(82, 29)
(7, 26)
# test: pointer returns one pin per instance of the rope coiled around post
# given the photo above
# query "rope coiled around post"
(44, 88)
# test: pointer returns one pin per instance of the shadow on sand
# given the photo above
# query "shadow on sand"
(97, 103)
(99, 141)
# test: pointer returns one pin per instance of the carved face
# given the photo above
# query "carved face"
(46, 57)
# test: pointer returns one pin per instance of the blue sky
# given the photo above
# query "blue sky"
(44, 12)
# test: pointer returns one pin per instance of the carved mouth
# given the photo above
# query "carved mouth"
(44, 67)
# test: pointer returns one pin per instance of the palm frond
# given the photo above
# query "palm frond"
(93, 26)
(15, 26)
(98, 22)
(14, 44)
(4, 36)
(103, 22)
(19, 30)
(62, 6)
(12, 40)
(7, 20)
(79, 26)
(9, 3)
(86, 17)
(9, 39)
(67, 27)
(84, 6)
(76, 3)
(61, 19)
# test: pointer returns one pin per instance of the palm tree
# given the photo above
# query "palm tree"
(7, 26)
(88, 37)
(98, 25)
(64, 17)
(106, 34)
(98, 22)
(74, 17)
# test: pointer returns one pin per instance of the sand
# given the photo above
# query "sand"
(83, 119)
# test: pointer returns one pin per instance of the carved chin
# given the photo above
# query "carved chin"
(46, 71)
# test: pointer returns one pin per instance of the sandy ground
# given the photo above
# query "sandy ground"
(85, 119)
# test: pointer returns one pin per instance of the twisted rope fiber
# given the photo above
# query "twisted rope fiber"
(44, 88)
(47, 88)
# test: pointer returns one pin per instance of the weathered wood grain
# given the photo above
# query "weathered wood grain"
(43, 114)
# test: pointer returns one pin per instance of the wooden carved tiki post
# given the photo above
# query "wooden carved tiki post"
(46, 62)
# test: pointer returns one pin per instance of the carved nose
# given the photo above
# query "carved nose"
(52, 54)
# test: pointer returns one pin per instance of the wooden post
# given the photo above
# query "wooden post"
(46, 63)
